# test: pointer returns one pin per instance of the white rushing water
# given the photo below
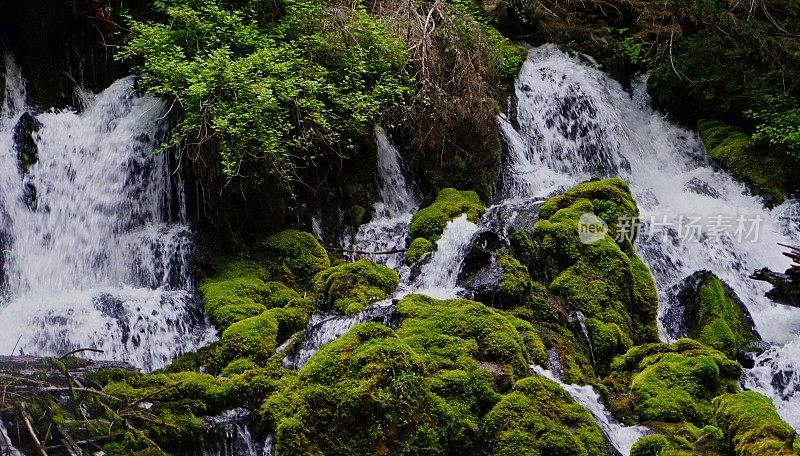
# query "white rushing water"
(387, 230)
(571, 122)
(620, 436)
(95, 247)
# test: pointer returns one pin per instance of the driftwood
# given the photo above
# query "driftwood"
(787, 284)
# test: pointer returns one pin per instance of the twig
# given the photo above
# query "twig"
(81, 350)
(24, 415)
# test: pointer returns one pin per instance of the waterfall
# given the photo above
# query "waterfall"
(228, 434)
(621, 437)
(95, 244)
(572, 122)
(438, 277)
(391, 213)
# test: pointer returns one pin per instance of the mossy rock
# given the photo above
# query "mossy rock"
(514, 286)
(350, 287)
(603, 279)
(751, 425)
(253, 338)
(681, 439)
(734, 150)
(430, 222)
(371, 392)
(538, 418)
(456, 330)
(715, 316)
(674, 383)
(418, 248)
(294, 257)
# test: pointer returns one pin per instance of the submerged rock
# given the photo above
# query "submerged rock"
(24, 143)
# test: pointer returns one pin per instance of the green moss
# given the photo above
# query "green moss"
(751, 425)
(605, 279)
(293, 256)
(350, 287)
(253, 338)
(539, 418)
(235, 269)
(536, 350)
(419, 247)
(454, 331)
(524, 249)
(238, 366)
(370, 392)
(607, 340)
(674, 383)
(514, 286)
(718, 321)
(430, 222)
(735, 151)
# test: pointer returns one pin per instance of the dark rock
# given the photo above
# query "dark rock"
(24, 143)
(786, 287)
(500, 378)
(113, 307)
(701, 188)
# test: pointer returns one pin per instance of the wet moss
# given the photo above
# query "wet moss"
(603, 279)
(253, 338)
(673, 383)
(430, 222)
(419, 247)
(350, 287)
(514, 286)
(539, 418)
(718, 321)
(682, 439)
(734, 150)
(751, 425)
(292, 256)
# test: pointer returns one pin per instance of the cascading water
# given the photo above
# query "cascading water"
(621, 437)
(95, 245)
(571, 122)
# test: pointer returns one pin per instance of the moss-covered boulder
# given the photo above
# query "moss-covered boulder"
(430, 222)
(538, 418)
(671, 383)
(371, 392)
(734, 150)
(752, 427)
(452, 332)
(714, 315)
(293, 257)
(599, 276)
(682, 439)
(253, 338)
(514, 286)
(350, 287)
(418, 248)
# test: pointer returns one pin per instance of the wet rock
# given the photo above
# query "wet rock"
(480, 274)
(701, 187)
(24, 143)
(707, 309)
(501, 379)
(786, 286)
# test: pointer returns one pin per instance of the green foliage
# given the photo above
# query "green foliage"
(719, 321)
(779, 124)
(350, 287)
(674, 383)
(267, 91)
(419, 247)
(430, 222)
(253, 338)
(605, 280)
(770, 173)
(538, 418)
(752, 426)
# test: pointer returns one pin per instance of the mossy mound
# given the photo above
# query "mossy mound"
(253, 338)
(514, 286)
(419, 247)
(603, 279)
(370, 392)
(350, 287)
(538, 418)
(455, 331)
(683, 439)
(715, 315)
(752, 426)
(672, 383)
(430, 222)
(734, 150)
(293, 257)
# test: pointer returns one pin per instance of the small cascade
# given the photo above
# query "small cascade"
(228, 434)
(388, 229)
(571, 122)
(95, 241)
(326, 327)
(439, 276)
(576, 316)
(621, 437)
